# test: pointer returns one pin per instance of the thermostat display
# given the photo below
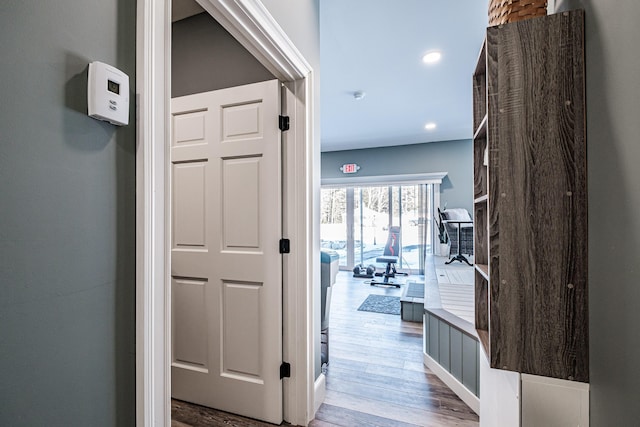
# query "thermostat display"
(113, 87)
(108, 94)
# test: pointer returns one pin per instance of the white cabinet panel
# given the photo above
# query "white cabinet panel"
(499, 396)
(552, 402)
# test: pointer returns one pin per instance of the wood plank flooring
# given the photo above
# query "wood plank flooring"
(185, 414)
(375, 375)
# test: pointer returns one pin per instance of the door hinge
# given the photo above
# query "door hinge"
(285, 246)
(283, 123)
(285, 370)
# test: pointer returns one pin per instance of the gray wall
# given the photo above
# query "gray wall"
(204, 57)
(613, 102)
(300, 20)
(67, 218)
(454, 157)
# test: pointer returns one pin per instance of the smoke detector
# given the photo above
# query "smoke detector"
(358, 95)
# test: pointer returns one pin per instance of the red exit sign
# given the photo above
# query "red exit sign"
(349, 168)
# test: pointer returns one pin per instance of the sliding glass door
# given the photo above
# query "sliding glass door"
(333, 222)
(355, 223)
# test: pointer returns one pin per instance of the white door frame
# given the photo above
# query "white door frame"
(252, 25)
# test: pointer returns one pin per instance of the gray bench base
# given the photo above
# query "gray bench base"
(412, 302)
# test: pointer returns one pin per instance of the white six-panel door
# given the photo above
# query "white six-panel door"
(225, 262)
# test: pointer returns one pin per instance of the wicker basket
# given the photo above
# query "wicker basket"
(505, 11)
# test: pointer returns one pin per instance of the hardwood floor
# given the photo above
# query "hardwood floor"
(185, 414)
(375, 375)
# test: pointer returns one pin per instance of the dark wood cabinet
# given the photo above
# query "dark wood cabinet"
(530, 190)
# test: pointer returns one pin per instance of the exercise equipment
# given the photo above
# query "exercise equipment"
(364, 272)
(390, 256)
(328, 273)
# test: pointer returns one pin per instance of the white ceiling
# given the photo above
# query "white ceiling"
(376, 46)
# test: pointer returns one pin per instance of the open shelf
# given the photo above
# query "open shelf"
(483, 269)
(481, 131)
(481, 62)
(480, 89)
(481, 197)
(530, 310)
(483, 336)
(480, 242)
(481, 291)
(480, 170)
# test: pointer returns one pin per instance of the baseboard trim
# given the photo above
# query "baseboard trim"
(452, 382)
(319, 392)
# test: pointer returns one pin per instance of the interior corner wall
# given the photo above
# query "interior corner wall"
(454, 157)
(67, 218)
(205, 57)
(613, 94)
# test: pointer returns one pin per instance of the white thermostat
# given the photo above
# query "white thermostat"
(108, 94)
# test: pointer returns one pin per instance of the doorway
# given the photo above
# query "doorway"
(264, 39)
(226, 269)
(226, 222)
(375, 370)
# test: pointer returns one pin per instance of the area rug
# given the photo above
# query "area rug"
(381, 304)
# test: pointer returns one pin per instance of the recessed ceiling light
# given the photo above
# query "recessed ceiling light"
(432, 57)
(430, 126)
